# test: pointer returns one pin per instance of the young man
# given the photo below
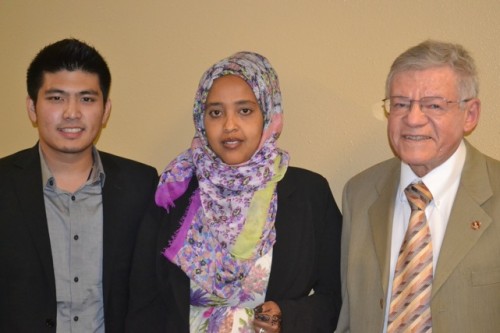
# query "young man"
(68, 212)
(421, 231)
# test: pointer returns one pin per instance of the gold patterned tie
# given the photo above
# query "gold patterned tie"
(411, 290)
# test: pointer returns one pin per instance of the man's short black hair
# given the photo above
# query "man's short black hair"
(71, 55)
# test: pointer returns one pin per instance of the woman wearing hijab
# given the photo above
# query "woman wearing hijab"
(245, 242)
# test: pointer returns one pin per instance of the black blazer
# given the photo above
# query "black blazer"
(27, 285)
(306, 256)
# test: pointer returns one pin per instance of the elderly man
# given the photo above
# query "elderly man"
(421, 237)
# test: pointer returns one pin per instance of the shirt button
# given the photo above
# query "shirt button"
(75, 279)
(73, 198)
(75, 318)
(75, 237)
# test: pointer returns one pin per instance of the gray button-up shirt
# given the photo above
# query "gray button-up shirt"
(75, 222)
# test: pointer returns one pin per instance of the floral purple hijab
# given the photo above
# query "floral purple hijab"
(229, 223)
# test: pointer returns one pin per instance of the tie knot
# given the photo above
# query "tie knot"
(418, 195)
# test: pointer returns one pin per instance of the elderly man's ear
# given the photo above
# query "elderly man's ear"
(473, 110)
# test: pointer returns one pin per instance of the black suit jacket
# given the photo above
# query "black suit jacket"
(27, 284)
(306, 256)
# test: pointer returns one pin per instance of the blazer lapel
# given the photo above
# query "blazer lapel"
(380, 216)
(181, 292)
(473, 191)
(111, 207)
(29, 189)
(287, 237)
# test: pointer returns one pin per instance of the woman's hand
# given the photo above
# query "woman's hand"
(267, 318)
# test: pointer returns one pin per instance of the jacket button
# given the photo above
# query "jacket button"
(49, 322)
(381, 303)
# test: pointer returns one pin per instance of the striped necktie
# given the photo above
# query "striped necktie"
(411, 290)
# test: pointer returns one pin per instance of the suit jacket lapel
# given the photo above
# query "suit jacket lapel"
(111, 207)
(473, 191)
(29, 189)
(287, 238)
(176, 275)
(380, 216)
(181, 292)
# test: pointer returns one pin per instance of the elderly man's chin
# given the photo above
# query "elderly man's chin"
(416, 152)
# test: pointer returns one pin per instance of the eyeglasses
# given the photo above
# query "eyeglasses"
(428, 105)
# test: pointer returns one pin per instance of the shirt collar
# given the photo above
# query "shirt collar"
(96, 174)
(439, 179)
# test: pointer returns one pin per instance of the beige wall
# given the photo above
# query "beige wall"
(331, 57)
